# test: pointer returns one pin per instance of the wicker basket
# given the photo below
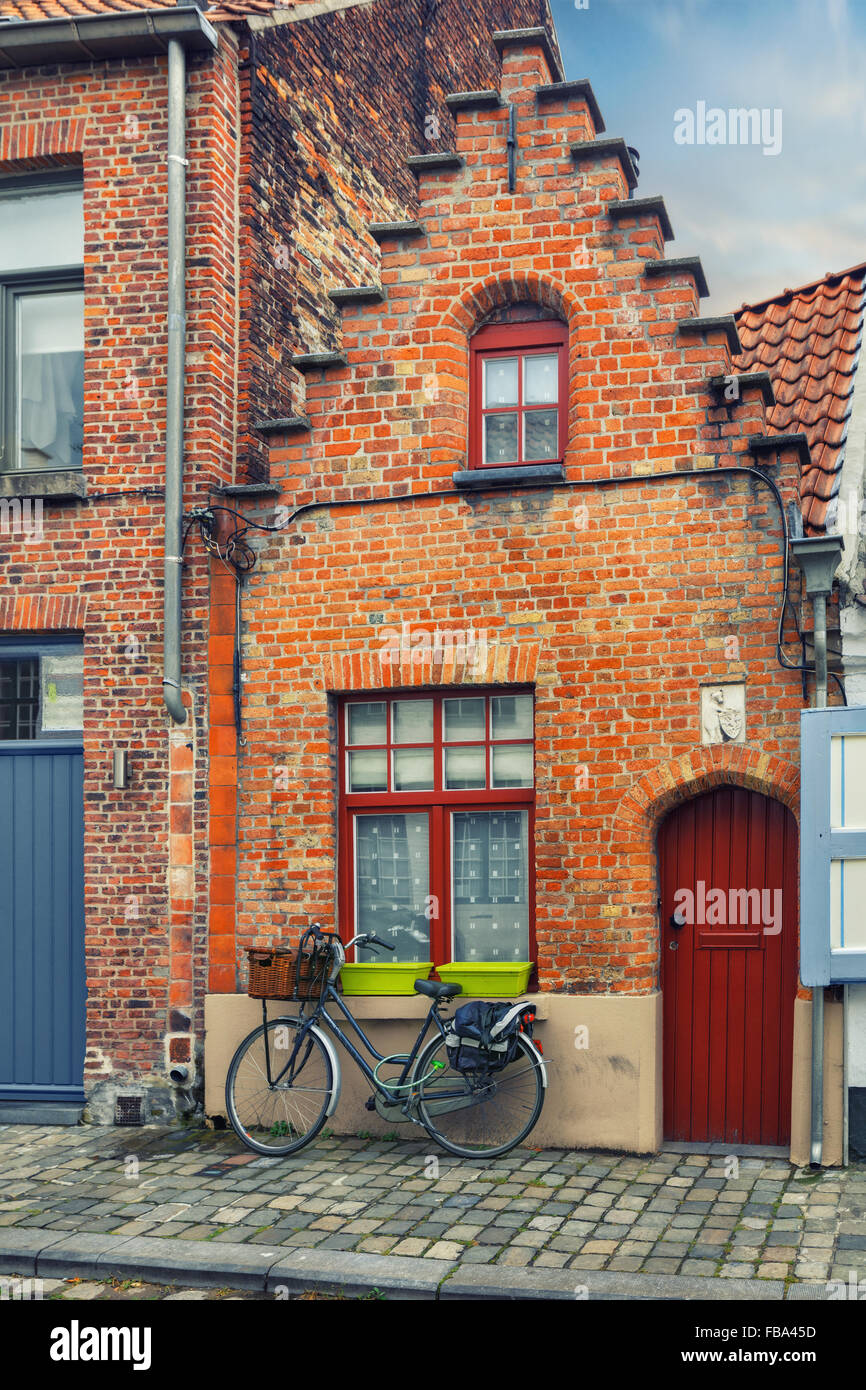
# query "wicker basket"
(274, 973)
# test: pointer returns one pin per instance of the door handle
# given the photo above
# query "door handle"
(678, 919)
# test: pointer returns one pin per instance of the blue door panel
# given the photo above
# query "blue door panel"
(42, 972)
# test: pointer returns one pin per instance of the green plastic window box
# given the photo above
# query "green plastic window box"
(496, 978)
(384, 977)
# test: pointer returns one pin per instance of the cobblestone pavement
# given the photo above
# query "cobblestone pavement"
(694, 1215)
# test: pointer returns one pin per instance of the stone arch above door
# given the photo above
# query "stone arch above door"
(647, 801)
(633, 901)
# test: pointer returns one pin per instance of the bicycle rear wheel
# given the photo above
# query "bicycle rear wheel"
(281, 1117)
(471, 1115)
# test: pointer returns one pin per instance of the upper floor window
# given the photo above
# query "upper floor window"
(41, 324)
(518, 394)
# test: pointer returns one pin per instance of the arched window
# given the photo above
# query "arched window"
(518, 394)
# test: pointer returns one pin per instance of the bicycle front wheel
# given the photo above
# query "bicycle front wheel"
(280, 1116)
(469, 1114)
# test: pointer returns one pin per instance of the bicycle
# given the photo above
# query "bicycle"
(277, 1112)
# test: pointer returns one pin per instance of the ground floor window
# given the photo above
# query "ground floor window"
(436, 807)
(41, 690)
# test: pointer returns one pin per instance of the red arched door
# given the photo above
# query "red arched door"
(728, 868)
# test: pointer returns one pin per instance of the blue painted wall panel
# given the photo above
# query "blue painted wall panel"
(820, 845)
(42, 969)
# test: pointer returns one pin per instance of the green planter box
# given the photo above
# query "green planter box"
(497, 978)
(375, 977)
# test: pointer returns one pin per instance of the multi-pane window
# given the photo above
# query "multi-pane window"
(437, 794)
(518, 405)
(41, 691)
(41, 324)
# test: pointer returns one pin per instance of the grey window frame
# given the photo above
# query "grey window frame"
(19, 648)
(15, 283)
(819, 845)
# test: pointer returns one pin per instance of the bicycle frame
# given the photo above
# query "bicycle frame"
(319, 1015)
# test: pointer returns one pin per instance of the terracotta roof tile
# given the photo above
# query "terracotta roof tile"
(808, 339)
(76, 9)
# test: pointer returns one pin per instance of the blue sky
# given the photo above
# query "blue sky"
(759, 222)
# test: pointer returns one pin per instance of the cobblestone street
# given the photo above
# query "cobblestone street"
(696, 1215)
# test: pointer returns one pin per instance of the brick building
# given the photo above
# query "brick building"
(290, 142)
(525, 614)
(512, 524)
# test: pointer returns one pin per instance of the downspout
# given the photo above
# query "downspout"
(819, 609)
(171, 687)
(818, 558)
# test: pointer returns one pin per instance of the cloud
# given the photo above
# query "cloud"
(759, 223)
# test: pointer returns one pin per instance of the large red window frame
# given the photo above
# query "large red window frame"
(438, 803)
(519, 340)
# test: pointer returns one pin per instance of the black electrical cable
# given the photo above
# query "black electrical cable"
(692, 473)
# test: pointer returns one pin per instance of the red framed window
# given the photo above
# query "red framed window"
(436, 824)
(518, 394)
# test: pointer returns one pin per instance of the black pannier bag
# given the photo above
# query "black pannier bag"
(483, 1036)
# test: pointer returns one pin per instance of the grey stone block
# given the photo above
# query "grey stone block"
(20, 1247)
(499, 1282)
(808, 1292)
(40, 1113)
(79, 1254)
(200, 1263)
(403, 1276)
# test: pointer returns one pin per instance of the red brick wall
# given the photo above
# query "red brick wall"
(331, 108)
(308, 141)
(98, 566)
(621, 596)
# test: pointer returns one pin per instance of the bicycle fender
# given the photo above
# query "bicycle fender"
(538, 1060)
(335, 1066)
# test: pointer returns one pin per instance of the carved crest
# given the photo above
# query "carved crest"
(731, 722)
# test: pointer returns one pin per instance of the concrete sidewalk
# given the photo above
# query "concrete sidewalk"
(193, 1207)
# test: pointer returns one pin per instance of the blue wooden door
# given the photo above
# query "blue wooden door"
(42, 975)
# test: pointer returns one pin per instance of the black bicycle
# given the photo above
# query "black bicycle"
(284, 1079)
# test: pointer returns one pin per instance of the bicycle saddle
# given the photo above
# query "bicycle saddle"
(434, 989)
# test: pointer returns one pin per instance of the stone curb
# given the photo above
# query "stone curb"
(20, 1246)
(407, 1276)
(486, 1282)
(33, 1252)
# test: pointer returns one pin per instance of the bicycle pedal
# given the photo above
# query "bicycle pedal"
(370, 1103)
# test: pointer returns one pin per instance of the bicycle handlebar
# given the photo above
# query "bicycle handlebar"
(366, 938)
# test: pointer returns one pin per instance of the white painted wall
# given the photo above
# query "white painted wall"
(857, 1035)
(850, 514)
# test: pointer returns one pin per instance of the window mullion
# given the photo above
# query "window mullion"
(521, 358)
(438, 885)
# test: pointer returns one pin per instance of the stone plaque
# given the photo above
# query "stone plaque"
(723, 714)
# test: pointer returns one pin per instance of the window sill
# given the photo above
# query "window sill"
(60, 485)
(522, 475)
